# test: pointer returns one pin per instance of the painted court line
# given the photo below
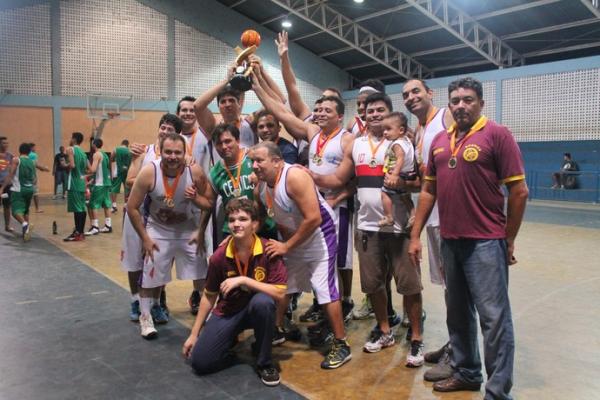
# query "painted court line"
(26, 302)
(63, 297)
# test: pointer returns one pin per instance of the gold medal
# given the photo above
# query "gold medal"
(317, 159)
(270, 212)
(373, 163)
(169, 202)
(452, 162)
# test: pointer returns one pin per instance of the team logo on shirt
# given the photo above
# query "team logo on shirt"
(260, 274)
(471, 153)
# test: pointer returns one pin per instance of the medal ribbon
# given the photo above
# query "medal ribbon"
(361, 126)
(374, 148)
(243, 268)
(268, 195)
(453, 131)
(430, 117)
(322, 142)
(190, 146)
(236, 180)
(170, 189)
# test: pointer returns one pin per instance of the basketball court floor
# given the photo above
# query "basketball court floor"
(66, 332)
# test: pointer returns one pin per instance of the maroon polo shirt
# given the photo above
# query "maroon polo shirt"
(470, 199)
(262, 268)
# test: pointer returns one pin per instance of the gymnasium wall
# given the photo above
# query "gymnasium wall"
(56, 52)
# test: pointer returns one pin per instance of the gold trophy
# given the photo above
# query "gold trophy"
(241, 79)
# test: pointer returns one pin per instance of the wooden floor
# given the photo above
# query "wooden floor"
(555, 294)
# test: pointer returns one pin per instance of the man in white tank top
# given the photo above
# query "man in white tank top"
(131, 245)
(307, 228)
(418, 99)
(327, 142)
(174, 189)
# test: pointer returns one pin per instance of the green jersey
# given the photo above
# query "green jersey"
(24, 178)
(224, 186)
(102, 177)
(123, 159)
(77, 175)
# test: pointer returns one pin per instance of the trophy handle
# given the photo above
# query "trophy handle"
(244, 54)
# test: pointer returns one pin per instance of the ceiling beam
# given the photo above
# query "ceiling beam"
(463, 65)
(363, 65)
(593, 6)
(552, 28)
(562, 49)
(322, 16)
(237, 3)
(469, 31)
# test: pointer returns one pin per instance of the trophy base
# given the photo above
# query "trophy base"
(241, 82)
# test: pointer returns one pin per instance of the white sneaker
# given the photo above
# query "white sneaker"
(147, 327)
(415, 357)
(93, 231)
(365, 311)
(379, 341)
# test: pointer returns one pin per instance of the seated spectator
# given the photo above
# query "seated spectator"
(565, 179)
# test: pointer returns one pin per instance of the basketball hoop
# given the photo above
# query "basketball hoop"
(113, 115)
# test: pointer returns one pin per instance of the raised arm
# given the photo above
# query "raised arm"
(299, 129)
(299, 108)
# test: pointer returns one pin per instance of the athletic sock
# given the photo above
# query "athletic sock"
(135, 297)
(145, 305)
(108, 222)
(156, 301)
(95, 223)
(24, 224)
(114, 204)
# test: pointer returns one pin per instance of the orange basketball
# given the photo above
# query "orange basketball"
(250, 37)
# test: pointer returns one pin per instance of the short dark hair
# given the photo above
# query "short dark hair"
(175, 137)
(32, 145)
(339, 104)
(184, 98)
(3, 138)
(375, 84)
(334, 90)
(228, 91)
(98, 143)
(173, 120)
(374, 97)
(222, 128)
(400, 117)
(25, 148)
(567, 155)
(78, 136)
(125, 142)
(264, 113)
(467, 83)
(242, 204)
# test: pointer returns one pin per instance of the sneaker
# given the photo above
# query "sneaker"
(194, 302)
(114, 210)
(433, 357)
(317, 327)
(134, 315)
(106, 229)
(291, 330)
(313, 314)
(415, 357)
(268, 375)
(442, 370)
(163, 302)
(393, 320)
(379, 341)
(321, 337)
(409, 330)
(74, 237)
(278, 336)
(94, 230)
(347, 308)
(147, 327)
(338, 355)
(365, 311)
(158, 314)
(27, 233)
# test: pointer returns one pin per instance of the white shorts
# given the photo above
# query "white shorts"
(131, 247)
(434, 250)
(345, 237)
(306, 275)
(189, 266)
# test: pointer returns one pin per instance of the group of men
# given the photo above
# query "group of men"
(251, 228)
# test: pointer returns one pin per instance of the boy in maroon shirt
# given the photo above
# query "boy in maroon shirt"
(245, 284)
